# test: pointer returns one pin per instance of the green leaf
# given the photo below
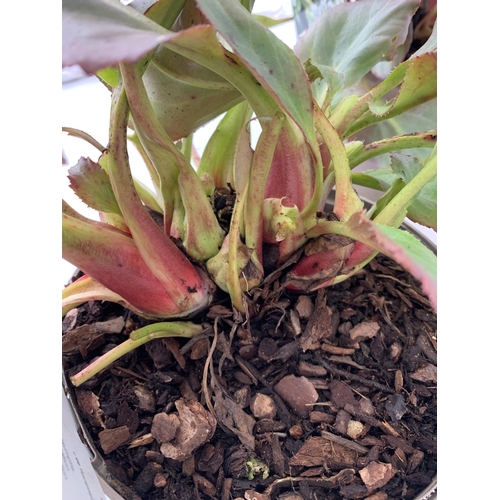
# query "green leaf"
(326, 82)
(184, 94)
(270, 60)
(401, 246)
(424, 209)
(405, 167)
(418, 79)
(92, 185)
(269, 22)
(97, 34)
(219, 154)
(352, 37)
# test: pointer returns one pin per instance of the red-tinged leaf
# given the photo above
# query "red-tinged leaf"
(270, 60)
(101, 33)
(91, 184)
(292, 174)
(324, 258)
(113, 260)
(401, 246)
(84, 289)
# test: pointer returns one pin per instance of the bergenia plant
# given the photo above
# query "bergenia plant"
(172, 66)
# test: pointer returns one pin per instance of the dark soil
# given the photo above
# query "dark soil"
(325, 396)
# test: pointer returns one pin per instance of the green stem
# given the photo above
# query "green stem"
(203, 235)
(187, 147)
(407, 141)
(346, 200)
(261, 165)
(137, 338)
(74, 132)
(360, 108)
(392, 212)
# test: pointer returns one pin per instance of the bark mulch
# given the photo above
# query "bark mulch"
(330, 395)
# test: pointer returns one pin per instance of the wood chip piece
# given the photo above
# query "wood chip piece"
(200, 349)
(197, 426)
(304, 306)
(317, 417)
(340, 351)
(377, 474)
(319, 451)
(165, 427)
(204, 485)
(298, 392)
(160, 480)
(427, 373)
(340, 394)
(141, 441)
(380, 495)
(309, 370)
(146, 399)
(88, 403)
(254, 495)
(319, 326)
(363, 331)
(111, 439)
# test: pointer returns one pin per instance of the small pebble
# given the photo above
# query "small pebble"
(296, 431)
(262, 406)
(355, 429)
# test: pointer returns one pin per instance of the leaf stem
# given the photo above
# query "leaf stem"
(137, 338)
(346, 199)
(407, 141)
(393, 211)
(74, 132)
(261, 165)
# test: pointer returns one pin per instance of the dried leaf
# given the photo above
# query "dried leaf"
(232, 416)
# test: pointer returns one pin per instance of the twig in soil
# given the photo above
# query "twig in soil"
(226, 353)
(343, 477)
(345, 442)
(387, 318)
(251, 371)
(208, 362)
(351, 376)
(392, 278)
(118, 370)
(348, 361)
(191, 342)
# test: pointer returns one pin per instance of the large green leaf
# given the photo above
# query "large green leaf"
(270, 60)
(184, 94)
(353, 37)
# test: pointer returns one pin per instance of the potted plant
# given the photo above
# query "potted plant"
(245, 252)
